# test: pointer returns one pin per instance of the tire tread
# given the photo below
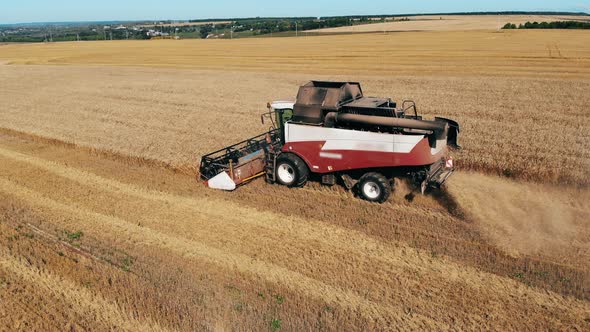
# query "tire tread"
(299, 166)
(381, 180)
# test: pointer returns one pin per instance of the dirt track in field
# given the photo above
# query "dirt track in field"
(380, 280)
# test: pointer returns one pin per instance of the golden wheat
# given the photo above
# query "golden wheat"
(548, 53)
(451, 23)
(526, 128)
(83, 144)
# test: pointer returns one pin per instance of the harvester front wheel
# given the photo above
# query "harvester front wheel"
(374, 187)
(291, 171)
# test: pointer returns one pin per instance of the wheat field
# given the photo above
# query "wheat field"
(451, 23)
(175, 116)
(541, 54)
(103, 225)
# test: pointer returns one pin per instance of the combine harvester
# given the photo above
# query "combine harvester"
(336, 133)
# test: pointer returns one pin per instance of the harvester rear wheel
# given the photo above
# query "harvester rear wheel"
(374, 187)
(291, 171)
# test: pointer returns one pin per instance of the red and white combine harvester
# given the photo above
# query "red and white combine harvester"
(334, 132)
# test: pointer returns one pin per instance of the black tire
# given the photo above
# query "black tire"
(290, 164)
(374, 187)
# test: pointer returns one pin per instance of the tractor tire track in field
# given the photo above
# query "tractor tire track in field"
(387, 283)
(80, 300)
(304, 230)
(147, 237)
(554, 51)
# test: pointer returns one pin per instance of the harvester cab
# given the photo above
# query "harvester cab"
(279, 112)
(334, 131)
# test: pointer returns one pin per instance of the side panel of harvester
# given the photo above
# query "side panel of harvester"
(328, 150)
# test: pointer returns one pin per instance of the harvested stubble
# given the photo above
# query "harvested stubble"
(212, 260)
(227, 261)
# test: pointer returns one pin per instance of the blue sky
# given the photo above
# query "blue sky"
(19, 11)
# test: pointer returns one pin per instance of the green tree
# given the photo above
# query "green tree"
(205, 30)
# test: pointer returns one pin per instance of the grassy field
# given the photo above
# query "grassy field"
(104, 227)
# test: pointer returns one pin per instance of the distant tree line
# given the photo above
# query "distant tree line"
(280, 25)
(549, 25)
(72, 34)
(20, 39)
(234, 19)
(264, 26)
(237, 28)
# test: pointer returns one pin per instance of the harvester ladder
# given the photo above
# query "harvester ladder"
(271, 164)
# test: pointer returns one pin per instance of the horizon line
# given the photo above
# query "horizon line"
(510, 12)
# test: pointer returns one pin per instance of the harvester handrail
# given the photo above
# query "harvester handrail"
(250, 140)
(413, 105)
